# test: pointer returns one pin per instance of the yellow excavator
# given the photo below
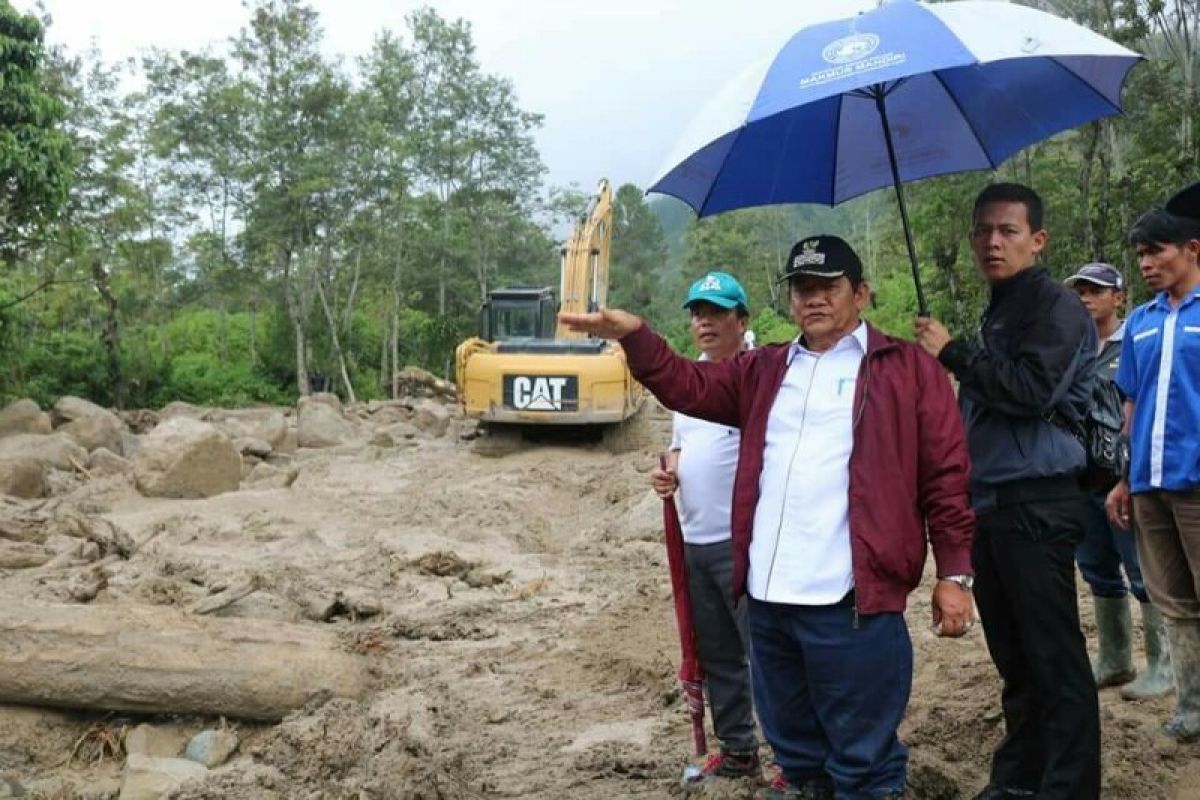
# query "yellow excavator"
(525, 368)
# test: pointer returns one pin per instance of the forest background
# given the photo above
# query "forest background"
(249, 222)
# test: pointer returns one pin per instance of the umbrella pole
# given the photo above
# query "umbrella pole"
(879, 94)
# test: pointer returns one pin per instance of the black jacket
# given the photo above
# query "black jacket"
(1034, 357)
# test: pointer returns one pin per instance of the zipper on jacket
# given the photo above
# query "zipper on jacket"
(788, 481)
(862, 406)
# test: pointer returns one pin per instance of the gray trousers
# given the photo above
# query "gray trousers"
(722, 643)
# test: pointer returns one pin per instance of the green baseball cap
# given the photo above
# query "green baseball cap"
(719, 288)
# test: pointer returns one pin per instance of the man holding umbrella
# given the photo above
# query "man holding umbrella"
(698, 474)
(851, 459)
(1023, 382)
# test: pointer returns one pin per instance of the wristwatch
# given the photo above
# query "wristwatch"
(965, 582)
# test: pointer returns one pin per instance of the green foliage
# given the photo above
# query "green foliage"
(255, 216)
(771, 327)
(206, 378)
(36, 157)
(639, 258)
(60, 363)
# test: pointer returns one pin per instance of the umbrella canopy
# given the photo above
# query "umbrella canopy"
(903, 92)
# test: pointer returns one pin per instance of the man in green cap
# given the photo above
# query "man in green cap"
(699, 473)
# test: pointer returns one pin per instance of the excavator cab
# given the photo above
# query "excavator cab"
(518, 313)
(525, 368)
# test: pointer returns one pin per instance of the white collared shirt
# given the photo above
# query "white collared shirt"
(800, 548)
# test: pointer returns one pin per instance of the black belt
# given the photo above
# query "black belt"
(1026, 490)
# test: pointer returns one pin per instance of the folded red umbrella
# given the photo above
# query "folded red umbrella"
(691, 675)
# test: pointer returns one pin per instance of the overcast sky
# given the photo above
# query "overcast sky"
(617, 81)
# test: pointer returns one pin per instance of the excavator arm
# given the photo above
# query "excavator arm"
(585, 260)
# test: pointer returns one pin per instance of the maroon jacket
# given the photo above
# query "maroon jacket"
(908, 466)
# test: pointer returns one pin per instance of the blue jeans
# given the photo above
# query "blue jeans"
(831, 691)
(1104, 550)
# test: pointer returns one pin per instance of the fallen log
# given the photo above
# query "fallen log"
(414, 381)
(154, 660)
(23, 555)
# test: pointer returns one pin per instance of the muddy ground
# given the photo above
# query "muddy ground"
(525, 646)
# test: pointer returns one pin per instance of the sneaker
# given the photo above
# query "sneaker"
(723, 765)
(780, 789)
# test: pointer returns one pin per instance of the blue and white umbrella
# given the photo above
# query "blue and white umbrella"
(900, 93)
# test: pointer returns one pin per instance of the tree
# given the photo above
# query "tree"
(639, 255)
(36, 159)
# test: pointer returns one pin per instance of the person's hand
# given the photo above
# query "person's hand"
(607, 323)
(931, 335)
(1118, 503)
(953, 609)
(664, 481)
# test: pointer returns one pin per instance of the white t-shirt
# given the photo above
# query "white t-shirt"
(800, 548)
(708, 459)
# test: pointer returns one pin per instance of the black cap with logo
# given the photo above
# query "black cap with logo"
(823, 257)
(1186, 202)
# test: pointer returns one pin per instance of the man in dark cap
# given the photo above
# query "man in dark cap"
(1186, 202)
(1159, 375)
(842, 478)
(1106, 548)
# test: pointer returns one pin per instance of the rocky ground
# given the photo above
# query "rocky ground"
(512, 614)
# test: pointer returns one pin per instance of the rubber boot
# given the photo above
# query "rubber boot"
(1157, 680)
(1184, 635)
(1114, 628)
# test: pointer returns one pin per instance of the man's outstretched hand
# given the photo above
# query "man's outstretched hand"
(607, 323)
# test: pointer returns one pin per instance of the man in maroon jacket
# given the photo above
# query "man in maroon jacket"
(852, 449)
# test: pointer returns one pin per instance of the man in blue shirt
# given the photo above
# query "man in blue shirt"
(1159, 375)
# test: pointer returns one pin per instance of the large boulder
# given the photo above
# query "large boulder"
(68, 409)
(89, 424)
(56, 450)
(431, 417)
(321, 424)
(92, 433)
(104, 462)
(23, 416)
(268, 424)
(272, 428)
(178, 408)
(184, 457)
(23, 477)
(328, 398)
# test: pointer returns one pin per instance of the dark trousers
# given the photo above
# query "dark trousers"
(721, 644)
(1105, 549)
(1025, 587)
(830, 692)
